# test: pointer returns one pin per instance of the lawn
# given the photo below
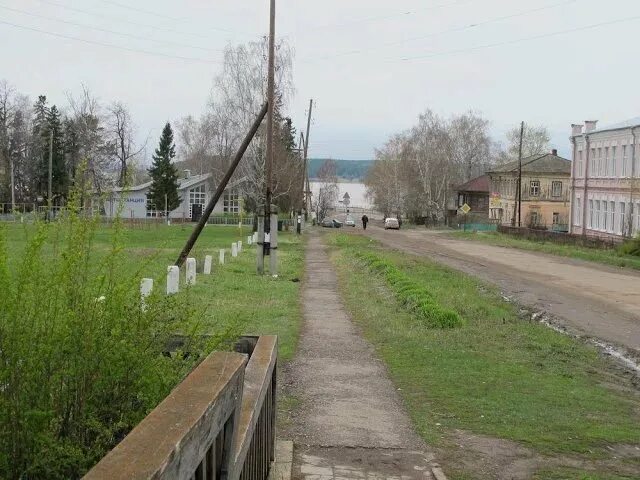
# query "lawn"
(82, 363)
(607, 257)
(495, 375)
(233, 294)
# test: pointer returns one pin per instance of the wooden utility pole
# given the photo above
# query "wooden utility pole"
(520, 176)
(267, 237)
(50, 189)
(305, 177)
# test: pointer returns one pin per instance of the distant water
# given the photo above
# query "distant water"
(357, 192)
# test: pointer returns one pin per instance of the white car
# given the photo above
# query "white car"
(349, 222)
(391, 224)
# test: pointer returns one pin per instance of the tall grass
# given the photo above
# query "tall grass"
(81, 363)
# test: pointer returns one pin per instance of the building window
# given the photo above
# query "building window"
(612, 216)
(625, 161)
(231, 202)
(606, 161)
(197, 196)
(556, 189)
(580, 164)
(535, 218)
(578, 212)
(598, 219)
(556, 218)
(614, 160)
(534, 189)
(590, 213)
(605, 215)
(151, 209)
(623, 208)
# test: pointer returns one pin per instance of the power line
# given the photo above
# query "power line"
(451, 30)
(387, 17)
(159, 15)
(123, 20)
(98, 29)
(520, 40)
(109, 45)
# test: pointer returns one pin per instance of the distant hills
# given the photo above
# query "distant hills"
(352, 170)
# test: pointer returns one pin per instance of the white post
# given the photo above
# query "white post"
(190, 271)
(221, 258)
(239, 246)
(146, 287)
(234, 249)
(207, 264)
(255, 237)
(249, 240)
(173, 280)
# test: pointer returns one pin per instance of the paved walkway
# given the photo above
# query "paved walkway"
(350, 422)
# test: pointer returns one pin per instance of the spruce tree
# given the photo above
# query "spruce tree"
(164, 174)
(60, 175)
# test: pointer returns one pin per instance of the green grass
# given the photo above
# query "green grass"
(495, 375)
(234, 297)
(573, 474)
(607, 257)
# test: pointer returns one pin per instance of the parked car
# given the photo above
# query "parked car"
(331, 223)
(391, 224)
(349, 222)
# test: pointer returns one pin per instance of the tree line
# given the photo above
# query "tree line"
(416, 171)
(102, 139)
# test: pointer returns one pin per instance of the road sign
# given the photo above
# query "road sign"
(465, 208)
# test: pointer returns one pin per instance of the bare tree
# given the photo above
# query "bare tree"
(121, 139)
(384, 182)
(328, 191)
(534, 142)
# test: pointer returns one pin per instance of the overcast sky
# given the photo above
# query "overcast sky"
(371, 65)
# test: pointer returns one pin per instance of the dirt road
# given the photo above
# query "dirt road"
(590, 299)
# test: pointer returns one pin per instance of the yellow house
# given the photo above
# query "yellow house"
(545, 192)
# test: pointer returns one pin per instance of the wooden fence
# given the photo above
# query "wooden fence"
(218, 424)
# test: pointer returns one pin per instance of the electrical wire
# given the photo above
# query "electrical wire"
(159, 15)
(124, 20)
(109, 45)
(520, 40)
(113, 32)
(443, 32)
(386, 17)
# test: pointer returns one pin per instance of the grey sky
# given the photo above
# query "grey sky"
(361, 60)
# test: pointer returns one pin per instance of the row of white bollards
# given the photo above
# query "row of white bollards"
(173, 272)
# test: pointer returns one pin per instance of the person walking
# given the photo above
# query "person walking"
(365, 220)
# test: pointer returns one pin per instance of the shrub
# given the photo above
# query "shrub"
(411, 295)
(630, 247)
(80, 362)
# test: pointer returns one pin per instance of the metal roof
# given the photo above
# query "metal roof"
(479, 184)
(632, 122)
(546, 163)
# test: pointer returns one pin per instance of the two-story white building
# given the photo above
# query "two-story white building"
(194, 192)
(605, 178)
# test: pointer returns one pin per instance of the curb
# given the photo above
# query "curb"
(283, 464)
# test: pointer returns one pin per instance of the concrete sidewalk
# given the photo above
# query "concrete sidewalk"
(350, 423)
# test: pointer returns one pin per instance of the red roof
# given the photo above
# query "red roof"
(480, 184)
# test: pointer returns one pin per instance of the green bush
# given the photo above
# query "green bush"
(411, 295)
(630, 247)
(80, 362)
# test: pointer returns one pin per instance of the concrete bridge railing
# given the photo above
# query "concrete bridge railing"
(218, 424)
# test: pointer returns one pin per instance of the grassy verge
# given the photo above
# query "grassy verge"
(233, 297)
(607, 257)
(494, 375)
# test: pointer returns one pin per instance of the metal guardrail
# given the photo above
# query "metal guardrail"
(218, 424)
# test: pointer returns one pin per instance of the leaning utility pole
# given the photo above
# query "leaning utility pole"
(520, 176)
(268, 235)
(305, 177)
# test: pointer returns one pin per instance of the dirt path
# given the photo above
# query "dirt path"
(595, 300)
(349, 421)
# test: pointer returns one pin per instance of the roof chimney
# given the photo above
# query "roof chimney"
(554, 152)
(576, 129)
(590, 125)
(187, 174)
